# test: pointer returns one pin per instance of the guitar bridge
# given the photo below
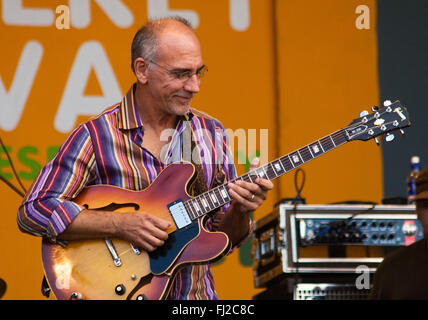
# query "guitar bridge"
(179, 214)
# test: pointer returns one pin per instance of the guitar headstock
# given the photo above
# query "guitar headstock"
(391, 117)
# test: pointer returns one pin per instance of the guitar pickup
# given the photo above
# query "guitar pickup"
(179, 214)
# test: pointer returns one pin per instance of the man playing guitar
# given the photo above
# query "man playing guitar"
(125, 147)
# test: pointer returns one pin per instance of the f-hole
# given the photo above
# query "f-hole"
(114, 206)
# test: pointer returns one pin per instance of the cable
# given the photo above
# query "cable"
(14, 172)
(299, 189)
(296, 202)
(12, 186)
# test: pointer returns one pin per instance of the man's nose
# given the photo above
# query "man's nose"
(193, 84)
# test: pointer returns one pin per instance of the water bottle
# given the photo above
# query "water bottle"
(415, 167)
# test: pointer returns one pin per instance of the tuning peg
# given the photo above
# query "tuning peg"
(387, 103)
(402, 132)
(375, 108)
(389, 137)
(364, 113)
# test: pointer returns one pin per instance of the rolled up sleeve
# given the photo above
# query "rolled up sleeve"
(47, 209)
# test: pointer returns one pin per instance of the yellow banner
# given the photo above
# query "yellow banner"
(281, 75)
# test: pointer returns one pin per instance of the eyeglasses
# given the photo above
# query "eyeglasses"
(183, 74)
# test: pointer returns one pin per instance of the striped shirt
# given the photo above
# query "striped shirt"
(107, 149)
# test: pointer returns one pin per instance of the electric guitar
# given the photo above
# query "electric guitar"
(113, 269)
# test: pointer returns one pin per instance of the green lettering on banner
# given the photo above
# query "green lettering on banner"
(33, 166)
(51, 152)
(4, 162)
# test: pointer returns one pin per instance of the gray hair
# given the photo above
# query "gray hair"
(145, 42)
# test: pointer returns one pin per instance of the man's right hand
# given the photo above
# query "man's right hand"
(143, 230)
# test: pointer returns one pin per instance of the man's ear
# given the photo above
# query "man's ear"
(141, 67)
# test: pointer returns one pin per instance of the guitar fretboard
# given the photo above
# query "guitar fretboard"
(219, 196)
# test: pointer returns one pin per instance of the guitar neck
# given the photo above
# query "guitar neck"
(219, 196)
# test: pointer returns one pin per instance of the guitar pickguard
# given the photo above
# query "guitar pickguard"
(163, 257)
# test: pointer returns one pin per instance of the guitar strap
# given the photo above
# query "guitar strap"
(199, 184)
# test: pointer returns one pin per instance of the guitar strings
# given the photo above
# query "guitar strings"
(269, 173)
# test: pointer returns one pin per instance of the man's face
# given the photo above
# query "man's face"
(422, 211)
(179, 53)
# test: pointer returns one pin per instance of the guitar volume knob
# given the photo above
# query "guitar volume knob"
(76, 296)
(120, 289)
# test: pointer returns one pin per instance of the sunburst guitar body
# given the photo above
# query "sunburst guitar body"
(112, 269)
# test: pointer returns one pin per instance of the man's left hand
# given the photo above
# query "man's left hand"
(249, 196)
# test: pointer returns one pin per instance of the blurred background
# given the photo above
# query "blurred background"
(287, 72)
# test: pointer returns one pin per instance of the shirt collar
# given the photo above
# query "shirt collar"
(128, 114)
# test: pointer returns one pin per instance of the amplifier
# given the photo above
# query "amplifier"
(329, 291)
(298, 239)
(362, 229)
